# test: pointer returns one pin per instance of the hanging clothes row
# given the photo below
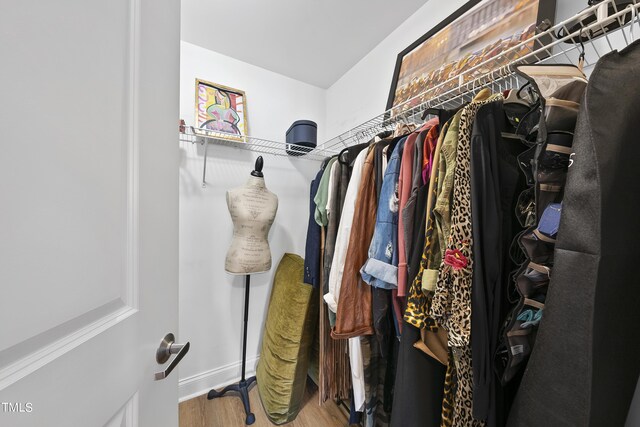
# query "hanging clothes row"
(434, 249)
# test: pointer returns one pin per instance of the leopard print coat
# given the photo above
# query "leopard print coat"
(451, 304)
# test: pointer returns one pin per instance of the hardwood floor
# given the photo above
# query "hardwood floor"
(228, 411)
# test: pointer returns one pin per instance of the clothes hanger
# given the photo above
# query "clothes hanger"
(358, 136)
(530, 92)
(581, 57)
(430, 112)
(344, 150)
(443, 114)
(513, 97)
(384, 134)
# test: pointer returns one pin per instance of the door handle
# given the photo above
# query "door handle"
(168, 347)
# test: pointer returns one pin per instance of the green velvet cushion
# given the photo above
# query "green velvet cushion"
(288, 335)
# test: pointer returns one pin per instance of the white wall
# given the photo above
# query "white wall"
(211, 301)
(361, 93)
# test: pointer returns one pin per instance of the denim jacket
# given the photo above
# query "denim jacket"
(381, 269)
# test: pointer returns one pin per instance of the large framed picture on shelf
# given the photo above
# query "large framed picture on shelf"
(221, 111)
(479, 30)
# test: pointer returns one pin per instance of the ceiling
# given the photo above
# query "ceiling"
(314, 41)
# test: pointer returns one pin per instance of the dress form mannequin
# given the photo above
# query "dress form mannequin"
(253, 209)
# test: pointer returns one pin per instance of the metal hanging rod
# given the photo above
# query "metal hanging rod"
(553, 45)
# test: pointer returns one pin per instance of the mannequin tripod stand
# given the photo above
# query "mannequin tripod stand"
(241, 387)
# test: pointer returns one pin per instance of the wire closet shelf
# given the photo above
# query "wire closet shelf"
(563, 43)
(566, 42)
(258, 145)
(250, 143)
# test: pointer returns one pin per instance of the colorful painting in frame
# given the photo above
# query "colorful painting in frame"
(221, 111)
(479, 30)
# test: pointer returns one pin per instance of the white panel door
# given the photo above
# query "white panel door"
(88, 211)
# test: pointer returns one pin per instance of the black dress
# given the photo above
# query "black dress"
(496, 182)
(419, 384)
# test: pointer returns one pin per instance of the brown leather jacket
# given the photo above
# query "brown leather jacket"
(354, 316)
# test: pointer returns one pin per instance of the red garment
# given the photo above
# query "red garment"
(430, 143)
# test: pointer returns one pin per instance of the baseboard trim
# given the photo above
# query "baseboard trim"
(201, 383)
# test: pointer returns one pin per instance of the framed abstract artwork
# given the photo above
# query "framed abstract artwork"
(220, 111)
(479, 30)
